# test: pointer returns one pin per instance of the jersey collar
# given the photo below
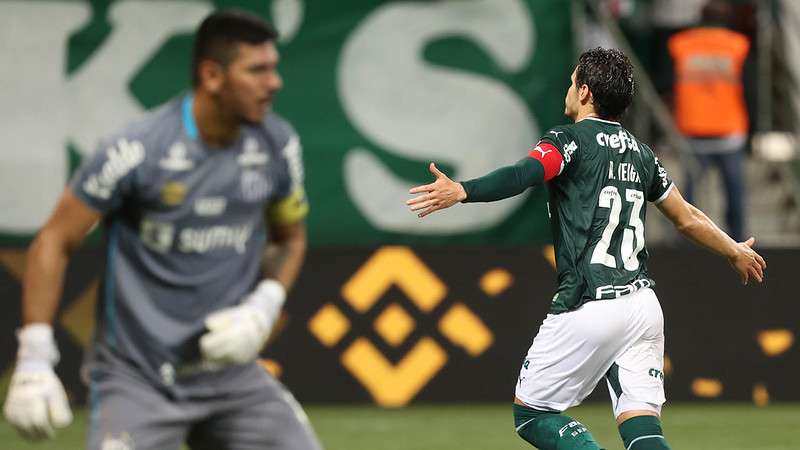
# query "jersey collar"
(602, 120)
(189, 124)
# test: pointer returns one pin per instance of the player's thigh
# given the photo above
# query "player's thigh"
(127, 414)
(636, 379)
(269, 418)
(570, 354)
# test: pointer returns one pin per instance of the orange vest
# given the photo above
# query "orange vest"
(708, 97)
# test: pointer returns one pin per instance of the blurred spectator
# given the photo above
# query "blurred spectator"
(708, 102)
(669, 17)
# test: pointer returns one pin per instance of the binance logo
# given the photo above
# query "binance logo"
(395, 384)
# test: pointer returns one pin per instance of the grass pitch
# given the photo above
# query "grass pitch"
(490, 427)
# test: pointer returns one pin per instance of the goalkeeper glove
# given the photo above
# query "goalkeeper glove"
(36, 403)
(237, 334)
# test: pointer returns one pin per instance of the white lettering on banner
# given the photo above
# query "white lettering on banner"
(435, 110)
(101, 99)
(287, 16)
(204, 240)
(33, 108)
(121, 159)
(42, 110)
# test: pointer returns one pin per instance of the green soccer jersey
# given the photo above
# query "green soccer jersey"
(597, 211)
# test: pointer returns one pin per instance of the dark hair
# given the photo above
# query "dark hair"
(219, 33)
(609, 75)
(717, 12)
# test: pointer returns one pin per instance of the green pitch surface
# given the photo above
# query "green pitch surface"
(489, 427)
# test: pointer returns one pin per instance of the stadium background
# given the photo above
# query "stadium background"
(389, 310)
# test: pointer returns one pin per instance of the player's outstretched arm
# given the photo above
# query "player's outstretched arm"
(442, 193)
(697, 227)
(502, 183)
(36, 403)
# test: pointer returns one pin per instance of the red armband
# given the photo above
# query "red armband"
(551, 159)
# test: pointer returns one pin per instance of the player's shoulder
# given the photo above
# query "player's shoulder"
(565, 139)
(559, 131)
(150, 131)
(644, 149)
(585, 129)
(278, 129)
(562, 135)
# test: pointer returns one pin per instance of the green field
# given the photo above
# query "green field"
(489, 427)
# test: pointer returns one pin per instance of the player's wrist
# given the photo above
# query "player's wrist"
(462, 191)
(268, 298)
(37, 347)
(733, 251)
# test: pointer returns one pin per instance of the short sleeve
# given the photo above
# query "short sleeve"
(291, 203)
(106, 177)
(562, 139)
(660, 184)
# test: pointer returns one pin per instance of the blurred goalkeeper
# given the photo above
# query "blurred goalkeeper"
(192, 197)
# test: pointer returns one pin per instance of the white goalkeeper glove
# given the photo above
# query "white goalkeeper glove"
(237, 334)
(36, 403)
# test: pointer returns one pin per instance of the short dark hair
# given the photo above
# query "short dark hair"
(609, 75)
(219, 33)
(717, 12)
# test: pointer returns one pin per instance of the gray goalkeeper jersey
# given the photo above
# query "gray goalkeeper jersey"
(185, 228)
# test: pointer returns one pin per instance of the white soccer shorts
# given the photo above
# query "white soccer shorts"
(620, 339)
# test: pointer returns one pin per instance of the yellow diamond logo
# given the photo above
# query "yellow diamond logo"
(496, 281)
(329, 325)
(394, 324)
(394, 266)
(465, 329)
(395, 384)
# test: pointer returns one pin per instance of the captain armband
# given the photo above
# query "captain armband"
(290, 209)
(551, 159)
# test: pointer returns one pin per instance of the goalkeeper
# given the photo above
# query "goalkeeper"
(191, 198)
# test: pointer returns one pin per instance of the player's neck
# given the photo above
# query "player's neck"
(585, 113)
(217, 129)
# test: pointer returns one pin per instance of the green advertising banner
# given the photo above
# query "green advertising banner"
(376, 90)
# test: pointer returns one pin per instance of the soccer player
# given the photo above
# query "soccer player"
(191, 197)
(604, 320)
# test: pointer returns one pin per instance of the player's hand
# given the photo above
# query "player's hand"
(442, 193)
(36, 403)
(746, 262)
(237, 334)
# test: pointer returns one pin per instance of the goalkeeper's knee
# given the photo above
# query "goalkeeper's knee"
(643, 433)
(547, 430)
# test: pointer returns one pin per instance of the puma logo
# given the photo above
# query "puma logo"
(540, 150)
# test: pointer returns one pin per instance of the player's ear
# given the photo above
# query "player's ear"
(212, 74)
(584, 94)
